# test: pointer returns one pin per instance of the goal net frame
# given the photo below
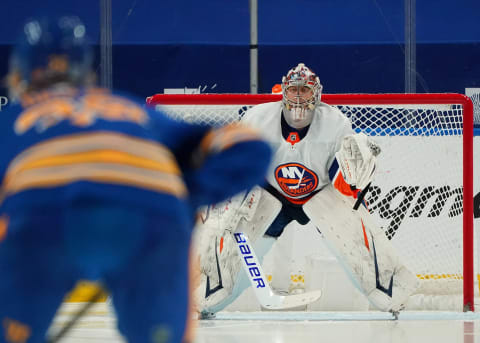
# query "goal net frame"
(375, 99)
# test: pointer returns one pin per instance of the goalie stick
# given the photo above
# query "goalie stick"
(263, 292)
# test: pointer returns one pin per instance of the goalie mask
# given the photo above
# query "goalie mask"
(301, 90)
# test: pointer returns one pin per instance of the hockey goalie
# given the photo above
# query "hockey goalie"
(320, 172)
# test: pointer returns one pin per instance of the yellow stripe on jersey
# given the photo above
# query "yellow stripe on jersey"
(98, 156)
(98, 140)
(101, 173)
(223, 138)
(102, 157)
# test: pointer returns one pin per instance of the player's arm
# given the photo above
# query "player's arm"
(216, 162)
(228, 160)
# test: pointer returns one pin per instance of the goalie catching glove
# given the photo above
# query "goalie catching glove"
(356, 160)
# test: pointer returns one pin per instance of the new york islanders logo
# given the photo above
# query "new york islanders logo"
(295, 179)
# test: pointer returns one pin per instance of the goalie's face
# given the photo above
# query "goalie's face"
(301, 90)
(299, 96)
(299, 105)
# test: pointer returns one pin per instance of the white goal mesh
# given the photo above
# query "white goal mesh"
(423, 186)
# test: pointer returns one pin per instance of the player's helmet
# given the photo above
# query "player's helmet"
(301, 90)
(49, 51)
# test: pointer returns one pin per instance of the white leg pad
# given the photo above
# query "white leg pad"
(214, 244)
(362, 248)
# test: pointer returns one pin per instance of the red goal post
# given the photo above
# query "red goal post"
(399, 115)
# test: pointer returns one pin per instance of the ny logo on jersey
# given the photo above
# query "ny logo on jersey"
(295, 179)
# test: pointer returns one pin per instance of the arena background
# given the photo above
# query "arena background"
(355, 46)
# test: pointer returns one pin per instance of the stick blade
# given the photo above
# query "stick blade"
(295, 300)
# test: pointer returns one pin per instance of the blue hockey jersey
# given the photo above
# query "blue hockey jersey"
(65, 144)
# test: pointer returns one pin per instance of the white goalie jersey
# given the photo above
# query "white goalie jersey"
(300, 166)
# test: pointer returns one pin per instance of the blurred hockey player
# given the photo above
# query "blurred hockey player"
(320, 171)
(97, 187)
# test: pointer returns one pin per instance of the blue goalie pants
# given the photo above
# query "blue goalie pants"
(139, 255)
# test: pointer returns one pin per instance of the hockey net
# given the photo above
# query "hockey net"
(422, 195)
